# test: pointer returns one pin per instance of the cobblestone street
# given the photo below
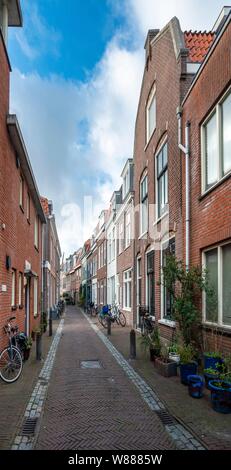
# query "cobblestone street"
(95, 408)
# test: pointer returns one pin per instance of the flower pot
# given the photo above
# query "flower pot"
(221, 396)
(167, 369)
(211, 362)
(186, 370)
(209, 377)
(195, 386)
(174, 357)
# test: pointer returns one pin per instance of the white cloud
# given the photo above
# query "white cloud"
(80, 134)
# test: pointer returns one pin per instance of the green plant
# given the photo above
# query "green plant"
(174, 348)
(28, 342)
(225, 369)
(151, 340)
(184, 287)
(187, 354)
(164, 353)
(216, 355)
(211, 371)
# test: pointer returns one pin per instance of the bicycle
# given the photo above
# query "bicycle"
(94, 310)
(11, 360)
(117, 315)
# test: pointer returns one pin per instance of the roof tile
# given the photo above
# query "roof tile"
(198, 43)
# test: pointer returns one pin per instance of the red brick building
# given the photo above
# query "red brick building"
(207, 107)
(125, 243)
(169, 71)
(102, 260)
(21, 213)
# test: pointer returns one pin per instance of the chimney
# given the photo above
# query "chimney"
(50, 205)
(10, 15)
(221, 19)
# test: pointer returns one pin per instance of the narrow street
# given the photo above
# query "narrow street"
(96, 408)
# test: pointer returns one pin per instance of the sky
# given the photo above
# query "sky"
(76, 75)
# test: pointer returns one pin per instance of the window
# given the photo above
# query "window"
(28, 207)
(13, 288)
(113, 244)
(218, 262)
(104, 252)
(139, 281)
(21, 191)
(36, 231)
(144, 205)
(167, 300)
(35, 296)
(20, 289)
(150, 283)
(127, 289)
(216, 143)
(121, 236)
(109, 248)
(162, 180)
(151, 115)
(127, 229)
(125, 184)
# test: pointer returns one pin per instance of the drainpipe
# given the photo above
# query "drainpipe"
(186, 151)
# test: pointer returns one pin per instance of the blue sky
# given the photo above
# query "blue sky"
(77, 69)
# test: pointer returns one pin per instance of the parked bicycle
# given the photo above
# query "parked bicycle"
(11, 358)
(94, 310)
(114, 313)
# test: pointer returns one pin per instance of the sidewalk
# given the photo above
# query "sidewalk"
(212, 428)
(14, 397)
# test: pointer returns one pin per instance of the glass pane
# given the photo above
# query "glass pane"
(159, 163)
(152, 116)
(211, 301)
(226, 130)
(226, 251)
(211, 151)
(165, 155)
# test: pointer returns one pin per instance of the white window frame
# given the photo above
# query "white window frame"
(127, 229)
(152, 97)
(220, 286)
(164, 321)
(21, 191)
(13, 288)
(143, 231)
(121, 236)
(28, 207)
(218, 111)
(20, 281)
(36, 231)
(35, 296)
(125, 187)
(165, 141)
(127, 280)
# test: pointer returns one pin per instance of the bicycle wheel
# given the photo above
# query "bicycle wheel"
(104, 321)
(122, 319)
(10, 364)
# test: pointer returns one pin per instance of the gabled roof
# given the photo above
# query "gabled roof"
(198, 43)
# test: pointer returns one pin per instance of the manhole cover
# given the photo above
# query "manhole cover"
(90, 365)
(165, 417)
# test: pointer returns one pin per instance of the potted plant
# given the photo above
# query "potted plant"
(151, 342)
(210, 374)
(164, 365)
(212, 360)
(27, 347)
(188, 365)
(173, 353)
(221, 395)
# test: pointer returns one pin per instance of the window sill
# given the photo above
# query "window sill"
(142, 236)
(215, 186)
(170, 323)
(126, 309)
(222, 329)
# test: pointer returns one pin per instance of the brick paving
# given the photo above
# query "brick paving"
(95, 408)
(14, 397)
(211, 428)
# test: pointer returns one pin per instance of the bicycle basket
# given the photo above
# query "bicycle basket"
(105, 309)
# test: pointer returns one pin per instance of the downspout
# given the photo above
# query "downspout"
(185, 149)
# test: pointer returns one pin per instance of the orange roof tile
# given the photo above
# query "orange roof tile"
(198, 43)
(45, 206)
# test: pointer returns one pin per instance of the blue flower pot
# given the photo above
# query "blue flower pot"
(221, 396)
(186, 370)
(195, 386)
(211, 362)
